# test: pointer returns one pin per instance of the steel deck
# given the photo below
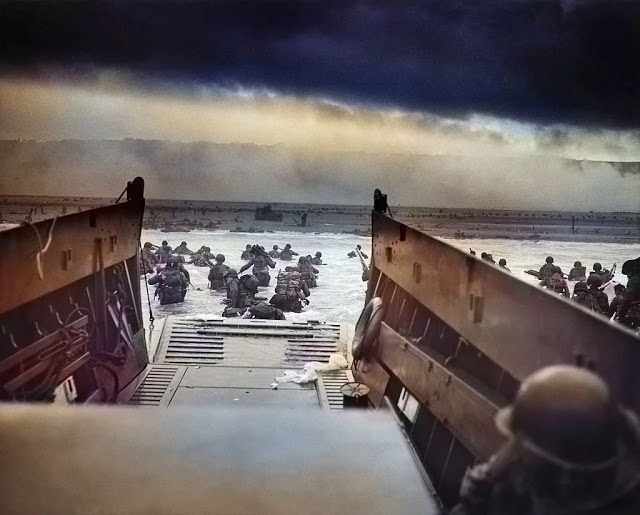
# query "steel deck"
(221, 362)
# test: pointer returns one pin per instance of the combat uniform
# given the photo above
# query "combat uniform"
(171, 285)
(216, 276)
(629, 311)
(571, 451)
(260, 262)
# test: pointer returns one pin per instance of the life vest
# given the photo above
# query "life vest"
(366, 333)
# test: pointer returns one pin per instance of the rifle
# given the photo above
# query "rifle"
(365, 267)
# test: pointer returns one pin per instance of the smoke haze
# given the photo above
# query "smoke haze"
(248, 172)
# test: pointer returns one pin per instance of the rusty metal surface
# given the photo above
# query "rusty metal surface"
(73, 252)
(501, 315)
(207, 461)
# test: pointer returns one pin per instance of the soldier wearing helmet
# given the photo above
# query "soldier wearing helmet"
(246, 253)
(578, 272)
(619, 290)
(182, 249)
(163, 252)
(147, 259)
(291, 292)
(628, 312)
(605, 275)
(171, 283)
(317, 259)
(230, 277)
(202, 257)
(502, 264)
(260, 261)
(217, 272)
(308, 271)
(274, 252)
(570, 450)
(287, 253)
(594, 282)
(555, 282)
(547, 270)
(582, 296)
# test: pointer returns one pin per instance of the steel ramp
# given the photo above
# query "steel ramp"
(234, 362)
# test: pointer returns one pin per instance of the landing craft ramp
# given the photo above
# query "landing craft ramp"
(215, 361)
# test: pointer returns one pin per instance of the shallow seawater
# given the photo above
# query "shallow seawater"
(340, 294)
(525, 255)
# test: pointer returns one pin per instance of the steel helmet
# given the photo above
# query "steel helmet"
(577, 264)
(220, 258)
(549, 259)
(147, 245)
(630, 266)
(184, 243)
(564, 415)
(232, 272)
(597, 267)
(275, 247)
(318, 254)
(594, 280)
(580, 286)
(502, 262)
(172, 261)
(164, 242)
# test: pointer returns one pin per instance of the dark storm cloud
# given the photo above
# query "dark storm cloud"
(544, 61)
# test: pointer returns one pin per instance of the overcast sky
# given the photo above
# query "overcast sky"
(488, 78)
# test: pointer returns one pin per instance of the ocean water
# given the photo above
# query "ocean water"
(525, 255)
(340, 294)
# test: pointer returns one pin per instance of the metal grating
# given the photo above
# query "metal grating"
(331, 383)
(188, 349)
(153, 386)
(301, 351)
(240, 342)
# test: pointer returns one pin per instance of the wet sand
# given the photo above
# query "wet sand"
(185, 215)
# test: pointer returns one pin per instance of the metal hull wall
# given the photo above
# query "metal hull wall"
(459, 335)
(70, 305)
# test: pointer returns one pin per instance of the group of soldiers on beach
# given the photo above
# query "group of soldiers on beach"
(293, 283)
(485, 256)
(588, 291)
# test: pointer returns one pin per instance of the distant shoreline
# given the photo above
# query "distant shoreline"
(181, 216)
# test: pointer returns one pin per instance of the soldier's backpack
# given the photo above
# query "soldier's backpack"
(265, 311)
(584, 298)
(172, 278)
(293, 288)
(250, 283)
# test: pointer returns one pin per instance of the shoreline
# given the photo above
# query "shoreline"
(455, 223)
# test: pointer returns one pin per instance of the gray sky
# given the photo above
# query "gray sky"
(530, 83)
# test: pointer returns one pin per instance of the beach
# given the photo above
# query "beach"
(461, 223)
